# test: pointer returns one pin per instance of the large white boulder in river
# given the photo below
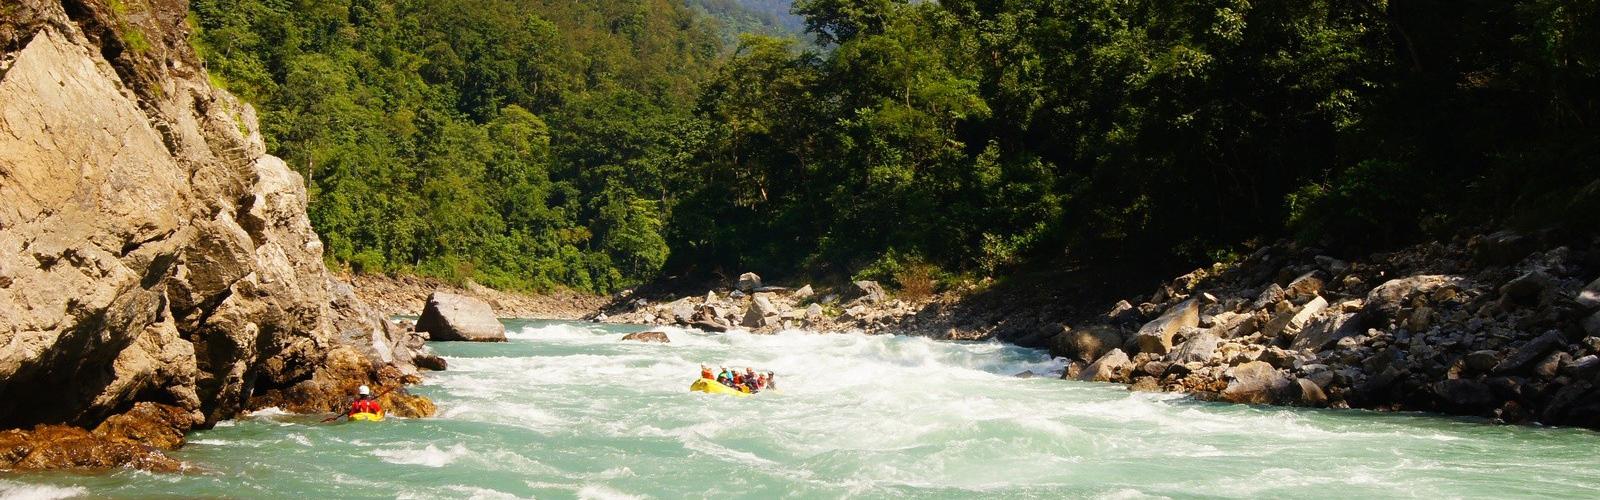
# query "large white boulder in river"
(451, 317)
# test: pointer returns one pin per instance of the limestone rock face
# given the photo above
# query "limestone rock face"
(150, 249)
(451, 317)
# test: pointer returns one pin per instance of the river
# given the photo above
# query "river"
(567, 410)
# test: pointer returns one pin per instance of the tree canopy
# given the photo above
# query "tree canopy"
(600, 144)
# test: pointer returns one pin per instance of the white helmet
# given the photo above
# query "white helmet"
(364, 391)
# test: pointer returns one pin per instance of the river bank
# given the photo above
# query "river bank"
(406, 296)
(1504, 326)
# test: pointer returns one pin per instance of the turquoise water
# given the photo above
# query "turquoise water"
(566, 410)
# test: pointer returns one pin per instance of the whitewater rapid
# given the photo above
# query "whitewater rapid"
(569, 410)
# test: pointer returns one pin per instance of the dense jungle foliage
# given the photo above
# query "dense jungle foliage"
(600, 144)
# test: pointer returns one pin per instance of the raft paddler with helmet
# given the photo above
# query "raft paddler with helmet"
(733, 382)
(365, 408)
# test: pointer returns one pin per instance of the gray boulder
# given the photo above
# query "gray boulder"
(1324, 332)
(761, 314)
(1114, 366)
(451, 317)
(1589, 297)
(748, 282)
(1198, 348)
(655, 337)
(1386, 301)
(1529, 353)
(1086, 344)
(1156, 336)
(867, 291)
(1259, 383)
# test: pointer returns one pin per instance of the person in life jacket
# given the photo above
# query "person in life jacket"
(705, 371)
(364, 403)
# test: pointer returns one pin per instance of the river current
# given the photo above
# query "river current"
(567, 410)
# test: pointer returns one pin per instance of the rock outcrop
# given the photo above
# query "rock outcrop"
(649, 337)
(451, 317)
(150, 249)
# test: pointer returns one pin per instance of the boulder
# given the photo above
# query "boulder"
(1198, 348)
(1589, 297)
(1259, 383)
(1311, 394)
(1385, 302)
(1501, 247)
(1086, 344)
(748, 282)
(866, 291)
(1276, 357)
(1465, 396)
(1529, 289)
(1293, 320)
(814, 315)
(1533, 351)
(761, 314)
(48, 447)
(683, 311)
(428, 360)
(1156, 336)
(802, 294)
(1114, 366)
(651, 336)
(1304, 287)
(451, 317)
(1480, 361)
(709, 325)
(1326, 331)
(1270, 295)
(1591, 325)
(1145, 384)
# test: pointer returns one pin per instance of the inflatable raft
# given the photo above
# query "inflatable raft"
(707, 385)
(366, 417)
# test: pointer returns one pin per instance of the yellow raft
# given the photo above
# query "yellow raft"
(366, 417)
(707, 385)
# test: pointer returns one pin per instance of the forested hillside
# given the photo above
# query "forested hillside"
(600, 144)
(765, 17)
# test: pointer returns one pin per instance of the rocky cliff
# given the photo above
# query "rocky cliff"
(150, 250)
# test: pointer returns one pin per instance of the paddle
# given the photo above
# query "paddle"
(380, 395)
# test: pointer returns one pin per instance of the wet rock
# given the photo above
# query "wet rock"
(1200, 348)
(1526, 355)
(1466, 396)
(403, 404)
(158, 425)
(651, 336)
(1073, 370)
(748, 282)
(1311, 394)
(451, 317)
(51, 447)
(1156, 336)
(1026, 374)
(1258, 383)
(430, 361)
(1086, 344)
(709, 325)
(1145, 384)
(1114, 366)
